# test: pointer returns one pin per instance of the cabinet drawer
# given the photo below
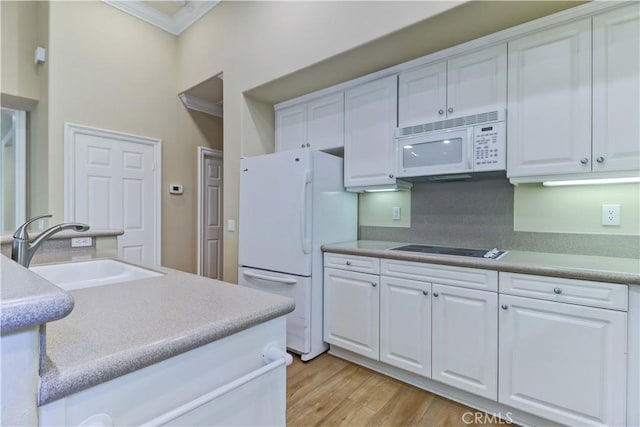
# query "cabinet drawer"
(474, 278)
(582, 292)
(360, 264)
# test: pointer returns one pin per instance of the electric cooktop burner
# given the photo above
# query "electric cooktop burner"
(442, 250)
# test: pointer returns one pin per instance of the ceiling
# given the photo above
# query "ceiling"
(173, 16)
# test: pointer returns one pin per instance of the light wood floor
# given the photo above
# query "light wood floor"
(328, 391)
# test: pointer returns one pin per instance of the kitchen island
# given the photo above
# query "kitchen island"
(172, 348)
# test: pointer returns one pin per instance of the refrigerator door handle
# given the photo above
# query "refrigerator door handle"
(285, 280)
(306, 242)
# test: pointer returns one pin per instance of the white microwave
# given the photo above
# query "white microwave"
(462, 145)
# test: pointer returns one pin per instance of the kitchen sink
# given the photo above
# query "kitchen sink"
(87, 274)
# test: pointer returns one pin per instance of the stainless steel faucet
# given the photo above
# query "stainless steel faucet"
(23, 250)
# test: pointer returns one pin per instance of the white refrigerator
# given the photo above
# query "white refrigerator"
(291, 203)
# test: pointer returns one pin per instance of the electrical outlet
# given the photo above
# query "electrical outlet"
(611, 215)
(395, 213)
(79, 242)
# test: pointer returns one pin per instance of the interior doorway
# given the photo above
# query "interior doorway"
(210, 230)
(112, 181)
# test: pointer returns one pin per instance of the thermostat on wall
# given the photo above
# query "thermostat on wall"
(176, 189)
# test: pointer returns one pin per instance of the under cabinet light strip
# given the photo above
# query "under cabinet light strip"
(591, 181)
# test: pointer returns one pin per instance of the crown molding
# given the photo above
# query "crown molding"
(176, 24)
(202, 105)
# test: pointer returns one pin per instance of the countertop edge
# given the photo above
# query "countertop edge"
(54, 387)
(40, 303)
(487, 264)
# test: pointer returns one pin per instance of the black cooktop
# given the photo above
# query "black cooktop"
(443, 250)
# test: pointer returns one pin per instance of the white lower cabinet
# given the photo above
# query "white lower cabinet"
(544, 347)
(351, 311)
(563, 362)
(405, 324)
(465, 339)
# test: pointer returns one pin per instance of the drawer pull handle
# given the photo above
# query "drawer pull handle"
(557, 291)
(435, 294)
(348, 262)
(425, 293)
(505, 306)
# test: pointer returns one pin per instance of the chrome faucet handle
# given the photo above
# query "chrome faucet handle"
(21, 232)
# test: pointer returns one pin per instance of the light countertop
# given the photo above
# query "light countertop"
(119, 328)
(27, 299)
(597, 268)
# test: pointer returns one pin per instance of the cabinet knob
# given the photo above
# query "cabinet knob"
(584, 161)
(600, 159)
(302, 146)
(505, 306)
(308, 145)
(425, 293)
(348, 263)
(390, 175)
(374, 284)
(557, 291)
(450, 109)
(441, 112)
(435, 294)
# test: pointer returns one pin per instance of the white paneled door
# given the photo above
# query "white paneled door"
(112, 182)
(210, 217)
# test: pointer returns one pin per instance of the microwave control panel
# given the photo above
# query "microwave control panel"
(489, 147)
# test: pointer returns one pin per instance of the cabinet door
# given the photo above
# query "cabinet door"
(325, 128)
(477, 82)
(422, 95)
(465, 339)
(370, 124)
(351, 308)
(549, 97)
(563, 362)
(616, 89)
(291, 128)
(405, 324)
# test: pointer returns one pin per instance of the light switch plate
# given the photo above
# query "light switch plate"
(231, 225)
(395, 213)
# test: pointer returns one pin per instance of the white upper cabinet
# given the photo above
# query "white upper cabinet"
(472, 83)
(549, 122)
(477, 82)
(291, 128)
(422, 95)
(370, 124)
(318, 124)
(616, 89)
